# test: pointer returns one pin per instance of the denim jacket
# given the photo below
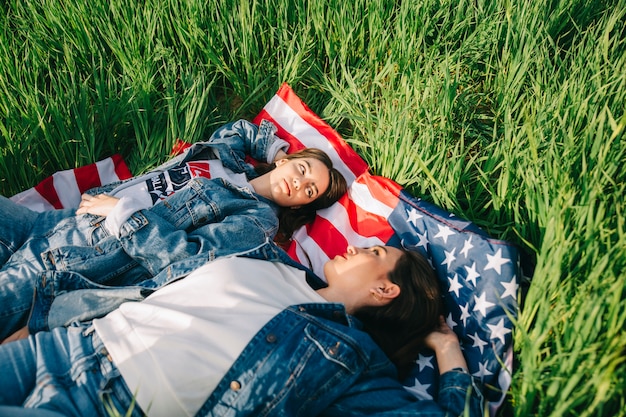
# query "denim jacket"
(313, 360)
(208, 218)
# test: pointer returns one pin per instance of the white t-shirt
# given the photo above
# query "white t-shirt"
(174, 347)
(155, 188)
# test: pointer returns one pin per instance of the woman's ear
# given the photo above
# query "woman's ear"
(386, 292)
(280, 162)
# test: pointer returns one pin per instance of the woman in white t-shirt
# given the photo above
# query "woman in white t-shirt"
(249, 337)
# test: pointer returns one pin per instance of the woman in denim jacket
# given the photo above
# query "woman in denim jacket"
(245, 337)
(156, 228)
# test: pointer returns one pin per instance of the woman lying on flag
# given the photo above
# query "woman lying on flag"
(158, 227)
(247, 337)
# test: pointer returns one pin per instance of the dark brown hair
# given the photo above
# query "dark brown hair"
(290, 219)
(400, 326)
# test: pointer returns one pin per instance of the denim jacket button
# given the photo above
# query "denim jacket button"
(270, 338)
(235, 385)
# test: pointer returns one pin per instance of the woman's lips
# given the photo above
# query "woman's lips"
(288, 190)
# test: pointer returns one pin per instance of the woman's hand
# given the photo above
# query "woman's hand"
(20, 334)
(100, 205)
(447, 348)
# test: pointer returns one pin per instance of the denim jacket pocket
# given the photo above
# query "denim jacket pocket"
(333, 348)
(191, 207)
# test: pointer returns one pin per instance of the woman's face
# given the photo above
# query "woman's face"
(362, 274)
(297, 182)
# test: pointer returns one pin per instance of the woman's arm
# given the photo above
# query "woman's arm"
(242, 138)
(447, 348)
(458, 392)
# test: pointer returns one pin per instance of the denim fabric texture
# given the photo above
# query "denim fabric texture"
(54, 253)
(309, 360)
(313, 359)
(67, 371)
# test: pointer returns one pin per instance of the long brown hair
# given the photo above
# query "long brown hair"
(290, 219)
(400, 326)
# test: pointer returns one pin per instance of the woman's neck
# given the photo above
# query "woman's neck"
(332, 297)
(261, 186)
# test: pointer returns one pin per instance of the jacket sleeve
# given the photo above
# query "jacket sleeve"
(459, 394)
(236, 140)
(207, 219)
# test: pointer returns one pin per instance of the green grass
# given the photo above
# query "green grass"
(511, 114)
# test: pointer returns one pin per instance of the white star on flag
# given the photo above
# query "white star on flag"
(467, 246)
(482, 304)
(478, 342)
(413, 216)
(420, 390)
(499, 330)
(444, 232)
(465, 313)
(449, 258)
(423, 239)
(472, 274)
(510, 288)
(496, 261)
(482, 371)
(455, 285)
(425, 362)
(451, 322)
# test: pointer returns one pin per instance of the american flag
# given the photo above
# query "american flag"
(479, 275)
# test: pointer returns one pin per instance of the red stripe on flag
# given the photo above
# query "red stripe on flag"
(328, 237)
(121, 169)
(366, 223)
(46, 189)
(179, 147)
(291, 251)
(87, 177)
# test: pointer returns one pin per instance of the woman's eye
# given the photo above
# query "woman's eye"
(309, 192)
(302, 169)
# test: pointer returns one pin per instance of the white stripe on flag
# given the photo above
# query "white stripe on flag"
(309, 252)
(106, 171)
(360, 194)
(33, 200)
(66, 188)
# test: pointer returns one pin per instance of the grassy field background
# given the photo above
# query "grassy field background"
(510, 114)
